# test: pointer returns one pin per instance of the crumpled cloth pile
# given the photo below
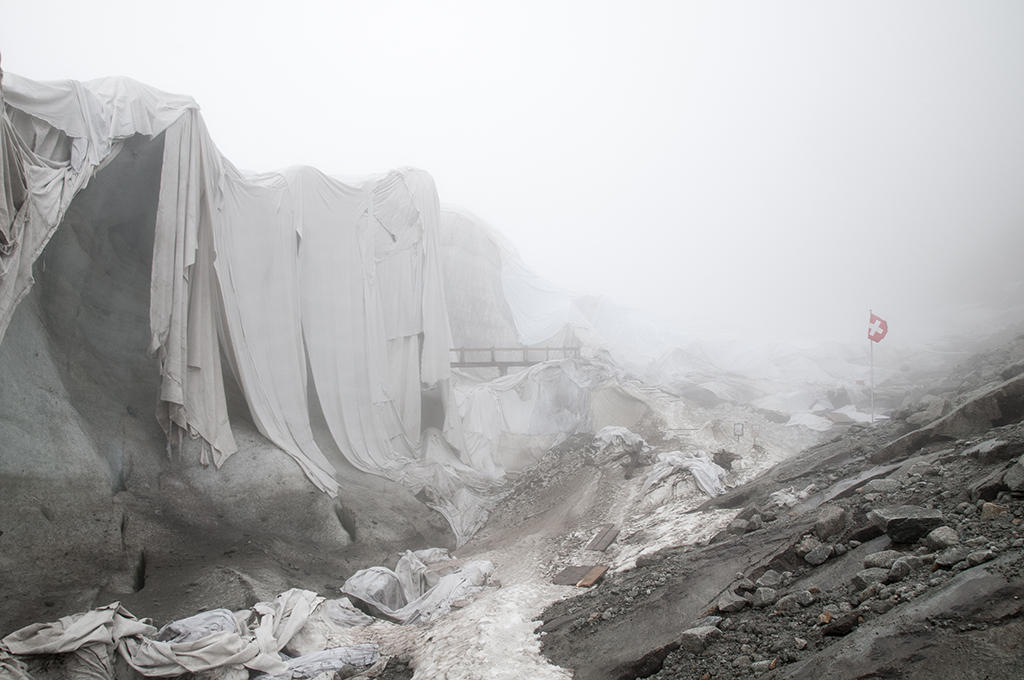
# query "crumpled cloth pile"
(218, 639)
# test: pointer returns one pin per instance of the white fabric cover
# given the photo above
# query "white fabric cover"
(53, 137)
(275, 270)
(203, 642)
(709, 476)
(327, 661)
(423, 586)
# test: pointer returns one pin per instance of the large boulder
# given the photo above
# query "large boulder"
(906, 523)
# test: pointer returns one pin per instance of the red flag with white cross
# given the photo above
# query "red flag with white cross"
(877, 328)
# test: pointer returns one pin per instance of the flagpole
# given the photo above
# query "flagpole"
(871, 351)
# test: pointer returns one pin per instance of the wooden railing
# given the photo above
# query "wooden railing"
(504, 358)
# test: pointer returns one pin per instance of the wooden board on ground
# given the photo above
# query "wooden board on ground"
(592, 576)
(570, 576)
(606, 534)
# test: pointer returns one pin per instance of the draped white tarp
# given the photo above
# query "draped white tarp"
(207, 641)
(53, 137)
(288, 274)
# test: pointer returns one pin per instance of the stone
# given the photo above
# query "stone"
(745, 584)
(710, 620)
(769, 579)
(730, 602)
(980, 557)
(788, 603)
(694, 640)
(994, 451)
(990, 511)
(819, 555)
(800, 643)
(831, 520)
(988, 487)
(842, 625)
(906, 523)
(866, 594)
(806, 545)
(899, 570)
(864, 532)
(1014, 477)
(865, 577)
(920, 469)
(885, 485)
(882, 559)
(764, 666)
(804, 597)
(739, 526)
(742, 661)
(932, 408)
(949, 557)
(941, 538)
(764, 597)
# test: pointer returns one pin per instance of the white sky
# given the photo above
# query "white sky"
(769, 167)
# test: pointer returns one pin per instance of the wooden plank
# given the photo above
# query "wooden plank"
(570, 576)
(607, 533)
(593, 576)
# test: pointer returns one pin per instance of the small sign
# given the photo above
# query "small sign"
(737, 429)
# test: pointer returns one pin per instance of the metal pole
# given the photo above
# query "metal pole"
(871, 345)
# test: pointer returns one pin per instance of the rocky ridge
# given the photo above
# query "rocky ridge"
(895, 550)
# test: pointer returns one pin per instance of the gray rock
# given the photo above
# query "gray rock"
(942, 537)
(708, 621)
(1014, 477)
(831, 520)
(865, 577)
(993, 451)
(769, 579)
(730, 602)
(762, 666)
(932, 408)
(800, 643)
(980, 557)
(885, 485)
(696, 639)
(804, 597)
(788, 603)
(899, 570)
(745, 584)
(738, 526)
(764, 597)
(949, 557)
(920, 469)
(906, 523)
(806, 545)
(990, 511)
(987, 488)
(742, 661)
(882, 559)
(819, 555)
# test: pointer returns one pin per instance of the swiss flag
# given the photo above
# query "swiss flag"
(877, 328)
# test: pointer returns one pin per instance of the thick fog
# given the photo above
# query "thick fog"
(768, 169)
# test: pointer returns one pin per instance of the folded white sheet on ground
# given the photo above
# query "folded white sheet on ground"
(423, 586)
(327, 661)
(709, 476)
(203, 642)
